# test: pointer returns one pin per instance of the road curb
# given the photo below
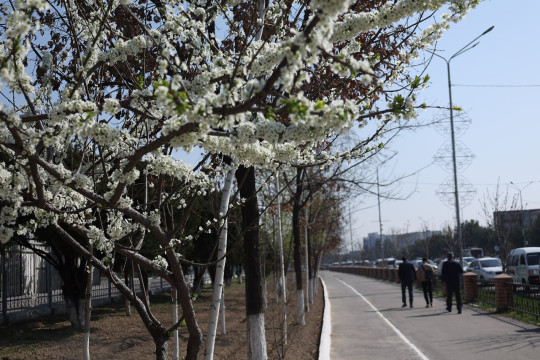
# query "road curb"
(325, 341)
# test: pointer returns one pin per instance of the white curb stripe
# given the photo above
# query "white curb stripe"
(324, 346)
(396, 330)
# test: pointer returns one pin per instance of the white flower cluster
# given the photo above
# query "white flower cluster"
(32, 5)
(331, 8)
(122, 49)
(202, 86)
(128, 178)
(353, 24)
(269, 55)
(155, 217)
(160, 261)
(118, 226)
(111, 106)
(11, 183)
(167, 165)
(6, 234)
(97, 238)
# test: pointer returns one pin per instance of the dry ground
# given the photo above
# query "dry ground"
(117, 336)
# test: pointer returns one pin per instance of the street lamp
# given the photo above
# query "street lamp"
(467, 47)
(525, 243)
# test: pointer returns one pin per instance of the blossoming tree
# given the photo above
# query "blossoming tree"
(98, 96)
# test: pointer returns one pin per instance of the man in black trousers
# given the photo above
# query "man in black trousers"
(451, 276)
(407, 275)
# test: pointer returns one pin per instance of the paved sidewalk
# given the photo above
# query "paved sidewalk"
(368, 322)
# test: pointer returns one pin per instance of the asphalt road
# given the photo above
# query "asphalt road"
(368, 322)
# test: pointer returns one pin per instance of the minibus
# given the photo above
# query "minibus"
(523, 265)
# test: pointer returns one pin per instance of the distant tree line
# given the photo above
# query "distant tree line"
(489, 238)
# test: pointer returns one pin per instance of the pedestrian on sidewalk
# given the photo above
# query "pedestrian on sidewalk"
(451, 276)
(407, 275)
(425, 275)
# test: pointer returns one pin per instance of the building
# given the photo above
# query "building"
(516, 219)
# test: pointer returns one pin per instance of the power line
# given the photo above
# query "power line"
(497, 85)
(476, 184)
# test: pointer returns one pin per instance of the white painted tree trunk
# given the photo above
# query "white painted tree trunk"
(255, 321)
(311, 290)
(86, 346)
(277, 289)
(220, 270)
(308, 299)
(88, 308)
(223, 324)
(317, 266)
(176, 343)
(256, 337)
(282, 264)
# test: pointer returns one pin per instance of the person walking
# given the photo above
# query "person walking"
(425, 275)
(407, 275)
(451, 276)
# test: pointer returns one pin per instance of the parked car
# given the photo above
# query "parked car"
(486, 268)
(523, 265)
(467, 260)
(439, 268)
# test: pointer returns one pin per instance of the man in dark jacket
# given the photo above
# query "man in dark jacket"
(451, 276)
(407, 275)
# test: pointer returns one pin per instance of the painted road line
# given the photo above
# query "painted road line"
(396, 330)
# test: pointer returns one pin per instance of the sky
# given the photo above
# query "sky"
(502, 136)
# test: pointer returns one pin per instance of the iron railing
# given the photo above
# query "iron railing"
(30, 285)
(486, 292)
(525, 299)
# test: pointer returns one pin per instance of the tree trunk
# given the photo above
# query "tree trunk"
(195, 334)
(297, 248)
(154, 327)
(176, 344)
(223, 324)
(88, 309)
(318, 259)
(283, 278)
(76, 313)
(254, 296)
(127, 280)
(162, 347)
(220, 270)
(307, 262)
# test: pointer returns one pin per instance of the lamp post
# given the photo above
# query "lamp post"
(467, 47)
(525, 242)
(380, 221)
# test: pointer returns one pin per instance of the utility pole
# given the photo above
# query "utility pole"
(522, 210)
(467, 47)
(380, 221)
(350, 231)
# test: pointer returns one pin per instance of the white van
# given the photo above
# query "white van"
(523, 265)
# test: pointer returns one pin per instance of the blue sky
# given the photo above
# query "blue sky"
(504, 132)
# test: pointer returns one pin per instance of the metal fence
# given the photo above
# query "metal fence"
(31, 287)
(525, 299)
(486, 292)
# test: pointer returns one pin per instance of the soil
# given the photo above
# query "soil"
(114, 335)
